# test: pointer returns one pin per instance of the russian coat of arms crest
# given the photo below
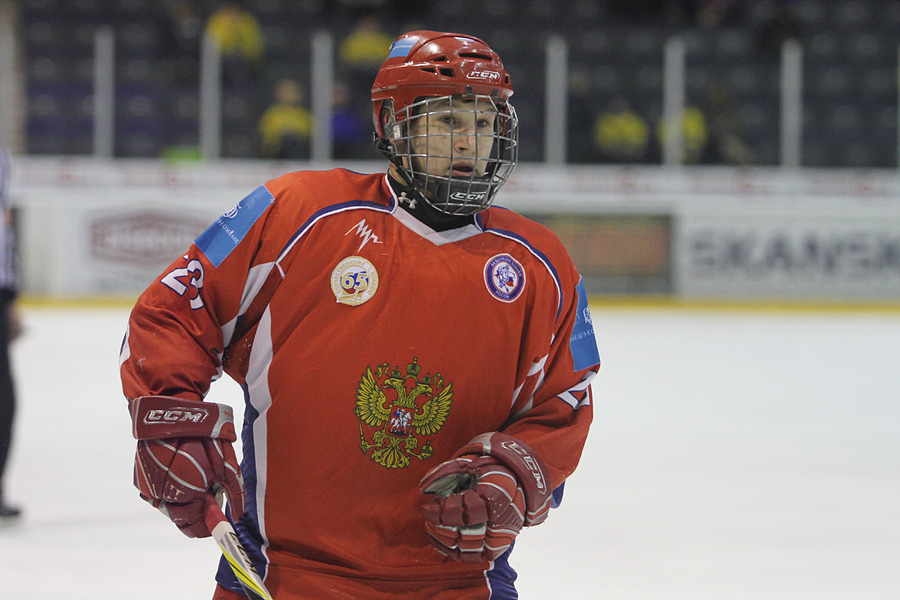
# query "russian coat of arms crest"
(396, 409)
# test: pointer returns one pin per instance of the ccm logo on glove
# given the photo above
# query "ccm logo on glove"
(174, 416)
(530, 462)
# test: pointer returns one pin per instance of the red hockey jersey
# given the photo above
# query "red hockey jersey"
(370, 348)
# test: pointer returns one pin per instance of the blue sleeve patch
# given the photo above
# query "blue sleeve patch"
(226, 233)
(583, 343)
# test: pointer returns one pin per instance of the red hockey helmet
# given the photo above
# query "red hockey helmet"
(432, 64)
(425, 66)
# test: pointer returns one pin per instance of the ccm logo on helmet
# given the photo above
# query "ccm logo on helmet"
(174, 416)
(483, 75)
(468, 196)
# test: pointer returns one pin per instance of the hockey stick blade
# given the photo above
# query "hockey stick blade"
(234, 553)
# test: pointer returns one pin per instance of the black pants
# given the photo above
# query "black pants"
(7, 391)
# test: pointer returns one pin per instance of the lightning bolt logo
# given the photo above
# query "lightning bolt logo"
(365, 233)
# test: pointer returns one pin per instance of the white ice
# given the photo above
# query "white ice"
(734, 455)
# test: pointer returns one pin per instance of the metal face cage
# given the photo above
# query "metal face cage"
(456, 150)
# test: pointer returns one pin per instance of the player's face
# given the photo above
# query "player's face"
(456, 135)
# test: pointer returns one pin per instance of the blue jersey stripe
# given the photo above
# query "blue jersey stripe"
(502, 577)
(330, 210)
(247, 528)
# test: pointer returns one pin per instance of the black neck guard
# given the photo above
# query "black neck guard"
(412, 202)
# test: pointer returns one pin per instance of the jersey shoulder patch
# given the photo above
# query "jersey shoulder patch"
(583, 343)
(223, 236)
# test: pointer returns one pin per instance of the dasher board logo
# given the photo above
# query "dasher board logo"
(145, 238)
(504, 277)
(354, 281)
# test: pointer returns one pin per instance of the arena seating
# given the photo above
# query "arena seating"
(849, 85)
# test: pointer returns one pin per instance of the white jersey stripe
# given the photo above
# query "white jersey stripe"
(260, 398)
(569, 395)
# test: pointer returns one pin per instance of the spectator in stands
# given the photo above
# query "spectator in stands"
(726, 128)
(10, 328)
(351, 133)
(361, 53)
(694, 134)
(239, 37)
(582, 111)
(366, 45)
(180, 32)
(286, 126)
(621, 135)
(717, 13)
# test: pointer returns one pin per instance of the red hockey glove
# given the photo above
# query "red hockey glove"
(185, 457)
(483, 498)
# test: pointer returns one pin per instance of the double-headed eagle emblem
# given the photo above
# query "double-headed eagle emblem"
(400, 408)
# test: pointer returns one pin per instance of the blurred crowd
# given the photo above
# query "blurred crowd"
(604, 130)
(285, 126)
(613, 126)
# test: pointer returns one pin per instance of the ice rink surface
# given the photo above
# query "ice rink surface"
(734, 455)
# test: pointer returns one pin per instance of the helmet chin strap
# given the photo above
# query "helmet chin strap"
(401, 176)
(416, 191)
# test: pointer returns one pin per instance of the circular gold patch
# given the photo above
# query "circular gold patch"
(354, 281)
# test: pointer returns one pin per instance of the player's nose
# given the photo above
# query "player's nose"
(465, 140)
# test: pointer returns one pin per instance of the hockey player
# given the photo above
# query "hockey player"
(416, 363)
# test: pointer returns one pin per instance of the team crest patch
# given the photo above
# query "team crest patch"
(354, 281)
(504, 277)
(396, 410)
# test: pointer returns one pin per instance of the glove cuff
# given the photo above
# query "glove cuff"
(524, 462)
(158, 417)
